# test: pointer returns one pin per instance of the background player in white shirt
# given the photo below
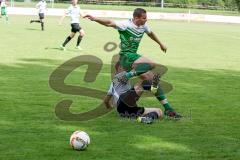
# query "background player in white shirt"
(41, 6)
(74, 12)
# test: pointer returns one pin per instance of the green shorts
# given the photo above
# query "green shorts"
(126, 60)
(3, 11)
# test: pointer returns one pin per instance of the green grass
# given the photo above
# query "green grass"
(131, 8)
(204, 68)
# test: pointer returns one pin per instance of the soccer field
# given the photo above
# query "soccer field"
(203, 64)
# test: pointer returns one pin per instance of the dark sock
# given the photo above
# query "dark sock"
(79, 40)
(140, 69)
(152, 115)
(42, 25)
(162, 98)
(66, 41)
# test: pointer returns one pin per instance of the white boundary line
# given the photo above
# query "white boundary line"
(128, 14)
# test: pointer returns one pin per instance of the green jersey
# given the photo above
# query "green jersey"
(130, 35)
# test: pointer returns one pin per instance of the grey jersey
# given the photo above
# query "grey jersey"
(117, 88)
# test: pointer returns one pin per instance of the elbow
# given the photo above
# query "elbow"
(108, 25)
(105, 102)
(107, 105)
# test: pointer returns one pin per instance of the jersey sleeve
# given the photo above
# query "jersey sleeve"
(37, 5)
(68, 10)
(121, 25)
(147, 29)
(110, 90)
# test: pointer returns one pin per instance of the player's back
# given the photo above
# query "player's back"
(42, 5)
(119, 86)
(74, 13)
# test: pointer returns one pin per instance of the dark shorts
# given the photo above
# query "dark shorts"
(75, 27)
(41, 15)
(127, 105)
(3, 11)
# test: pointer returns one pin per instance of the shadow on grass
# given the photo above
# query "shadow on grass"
(53, 48)
(27, 111)
(67, 49)
(33, 29)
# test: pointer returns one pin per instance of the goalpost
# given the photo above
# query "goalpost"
(52, 3)
(12, 3)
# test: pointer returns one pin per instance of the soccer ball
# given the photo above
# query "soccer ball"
(79, 140)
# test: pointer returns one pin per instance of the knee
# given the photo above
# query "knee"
(153, 65)
(160, 113)
(138, 89)
(82, 33)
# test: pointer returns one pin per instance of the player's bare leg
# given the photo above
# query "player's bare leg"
(67, 40)
(139, 66)
(81, 35)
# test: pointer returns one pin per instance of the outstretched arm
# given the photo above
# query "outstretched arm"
(154, 37)
(62, 18)
(105, 22)
(107, 101)
(81, 14)
(37, 5)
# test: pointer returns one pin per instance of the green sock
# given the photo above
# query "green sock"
(140, 69)
(162, 98)
(130, 74)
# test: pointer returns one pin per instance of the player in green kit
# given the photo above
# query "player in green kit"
(131, 32)
(4, 9)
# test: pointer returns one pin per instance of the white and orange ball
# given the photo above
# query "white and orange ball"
(79, 140)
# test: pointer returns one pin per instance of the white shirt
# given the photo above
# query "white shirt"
(122, 25)
(42, 5)
(112, 92)
(117, 88)
(74, 12)
(3, 3)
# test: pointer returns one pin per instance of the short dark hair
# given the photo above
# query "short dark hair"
(138, 12)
